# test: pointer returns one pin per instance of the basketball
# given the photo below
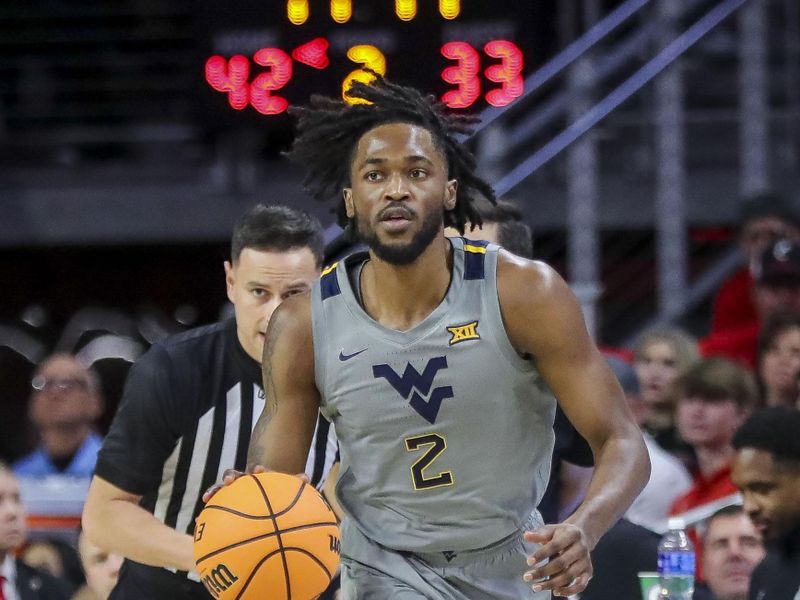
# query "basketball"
(269, 536)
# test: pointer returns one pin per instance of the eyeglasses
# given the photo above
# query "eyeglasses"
(41, 383)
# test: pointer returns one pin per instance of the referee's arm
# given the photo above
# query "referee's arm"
(129, 465)
(113, 520)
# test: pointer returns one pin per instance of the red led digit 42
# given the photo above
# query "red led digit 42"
(231, 76)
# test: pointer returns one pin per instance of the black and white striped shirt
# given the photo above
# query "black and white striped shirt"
(186, 415)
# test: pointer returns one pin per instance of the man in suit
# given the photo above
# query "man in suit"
(17, 580)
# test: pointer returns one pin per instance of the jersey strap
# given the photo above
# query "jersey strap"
(329, 285)
(475, 259)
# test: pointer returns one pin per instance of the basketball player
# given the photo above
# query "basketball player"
(439, 362)
(188, 410)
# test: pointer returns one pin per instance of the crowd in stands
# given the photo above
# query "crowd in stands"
(689, 397)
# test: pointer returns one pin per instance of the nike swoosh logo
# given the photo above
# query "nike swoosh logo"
(343, 357)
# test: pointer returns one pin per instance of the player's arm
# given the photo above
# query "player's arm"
(283, 433)
(544, 320)
(113, 520)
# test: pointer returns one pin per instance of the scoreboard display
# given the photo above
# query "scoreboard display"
(263, 56)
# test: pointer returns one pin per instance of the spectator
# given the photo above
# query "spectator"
(764, 220)
(660, 355)
(503, 224)
(776, 290)
(57, 557)
(778, 280)
(101, 569)
(715, 397)
(43, 555)
(669, 479)
(18, 581)
(65, 402)
(767, 471)
(731, 550)
(779, 360)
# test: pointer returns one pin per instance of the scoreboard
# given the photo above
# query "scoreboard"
(263, 56)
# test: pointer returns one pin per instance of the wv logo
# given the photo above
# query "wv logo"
(417, 386)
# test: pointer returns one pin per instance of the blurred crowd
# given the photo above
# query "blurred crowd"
(689, 396)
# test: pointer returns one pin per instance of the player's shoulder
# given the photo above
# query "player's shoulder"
(294, 312)
(526, 279)
(290, 327)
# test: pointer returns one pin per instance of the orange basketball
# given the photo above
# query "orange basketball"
(268, 536)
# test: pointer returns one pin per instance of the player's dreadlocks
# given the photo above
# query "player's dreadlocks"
(329, 129)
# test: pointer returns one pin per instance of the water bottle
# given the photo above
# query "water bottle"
(676, 561)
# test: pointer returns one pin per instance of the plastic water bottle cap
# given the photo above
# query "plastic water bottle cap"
(676, 523)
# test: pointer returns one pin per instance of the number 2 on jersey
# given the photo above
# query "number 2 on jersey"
(436, 444)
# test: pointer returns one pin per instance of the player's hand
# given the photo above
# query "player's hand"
(566, 549)
(231, 475)
(228, 477)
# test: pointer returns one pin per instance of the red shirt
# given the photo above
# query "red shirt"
(733, 306)
(740, 345)
(704, 491)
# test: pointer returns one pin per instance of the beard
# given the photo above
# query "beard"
(400, 254)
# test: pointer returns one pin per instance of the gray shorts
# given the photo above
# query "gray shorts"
(373, 572)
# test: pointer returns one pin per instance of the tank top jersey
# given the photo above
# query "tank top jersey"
(445, 432)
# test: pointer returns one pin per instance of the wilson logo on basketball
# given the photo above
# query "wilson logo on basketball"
(219, 579)
(335, 544)
(267, 536)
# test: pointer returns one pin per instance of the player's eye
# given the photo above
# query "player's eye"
(258, 292)
(373, 176)
(418, 173)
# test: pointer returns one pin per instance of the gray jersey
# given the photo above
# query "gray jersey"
(445, 432)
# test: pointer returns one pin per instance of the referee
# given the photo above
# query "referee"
(188, 409)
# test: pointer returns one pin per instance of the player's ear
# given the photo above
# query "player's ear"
(230, 279)
(347, 194)
(450, 194)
